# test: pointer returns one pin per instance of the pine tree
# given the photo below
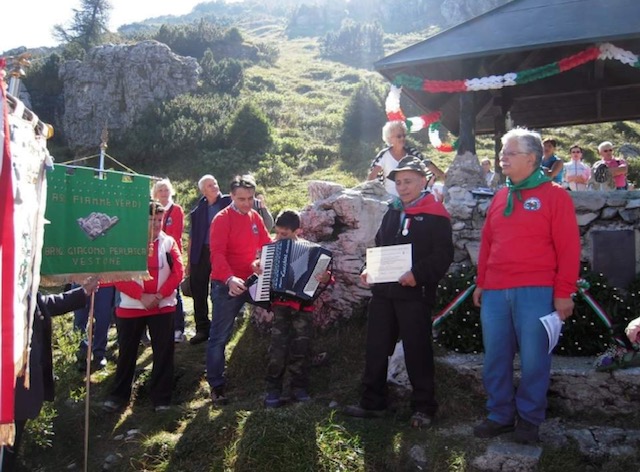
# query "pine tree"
(88, 26)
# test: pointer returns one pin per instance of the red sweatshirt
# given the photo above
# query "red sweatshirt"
(234, 241)
(537, 245)
(173, 223)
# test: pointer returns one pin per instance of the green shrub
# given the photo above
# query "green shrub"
(583, 334)
(250, 130)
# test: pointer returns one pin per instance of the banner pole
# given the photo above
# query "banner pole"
(87, 383)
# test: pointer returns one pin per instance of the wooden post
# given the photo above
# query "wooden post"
(467, 138)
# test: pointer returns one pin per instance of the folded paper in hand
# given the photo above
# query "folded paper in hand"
(553, 324)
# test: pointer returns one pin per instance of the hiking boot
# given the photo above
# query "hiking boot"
(300, 395)
(272, 400)
(490, 429)
(217, 397)
(199, 337)
(420, 420)
(526, 433)
(358, 412)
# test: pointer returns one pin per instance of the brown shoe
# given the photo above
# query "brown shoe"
(490, 429)
(199, 337)
(358, 412)
(218, 398)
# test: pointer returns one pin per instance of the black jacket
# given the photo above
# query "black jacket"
(429, 233)
(28, 402)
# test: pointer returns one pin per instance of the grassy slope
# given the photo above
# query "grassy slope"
(306, 102)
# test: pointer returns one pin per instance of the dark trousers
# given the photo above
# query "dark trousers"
(411, 320)
(290, 348)
(10, 453)
(200, 274)
(161, 333)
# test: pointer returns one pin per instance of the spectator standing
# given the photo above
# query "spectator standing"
(617, 166)
(148, 304)
(403, 308)
(103, 305)
(199, 261)
(487, 172)
(551, 164)
(528, 266)
(576, 172)
(172, 225)
(394, 134)
(237, 234)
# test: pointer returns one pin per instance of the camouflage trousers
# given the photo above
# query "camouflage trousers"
(290, 348)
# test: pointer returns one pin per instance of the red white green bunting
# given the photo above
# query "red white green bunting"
(493, 82)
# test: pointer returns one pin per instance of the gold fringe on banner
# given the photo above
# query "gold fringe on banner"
(105, 277)
(7, 434)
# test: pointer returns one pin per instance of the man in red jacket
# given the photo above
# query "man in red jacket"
(527, 268)
(237, 234)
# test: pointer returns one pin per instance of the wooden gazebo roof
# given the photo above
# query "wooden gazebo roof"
(522, 35)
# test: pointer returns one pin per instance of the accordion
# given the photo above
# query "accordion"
(289, 269)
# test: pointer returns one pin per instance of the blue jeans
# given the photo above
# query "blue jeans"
(102, 310)
(225, 310)
(510, 324)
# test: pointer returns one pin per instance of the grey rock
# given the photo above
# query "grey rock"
(116, 83)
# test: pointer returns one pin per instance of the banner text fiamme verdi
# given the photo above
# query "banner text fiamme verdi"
(96, 201)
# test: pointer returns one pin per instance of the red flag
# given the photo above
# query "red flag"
(7, 270)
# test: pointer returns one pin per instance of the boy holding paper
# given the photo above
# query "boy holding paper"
(402, 308)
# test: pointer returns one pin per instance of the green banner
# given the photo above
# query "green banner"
(95, 225)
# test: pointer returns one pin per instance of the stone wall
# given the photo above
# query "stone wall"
(595, 211)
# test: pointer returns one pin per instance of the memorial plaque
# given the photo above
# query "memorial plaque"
(614, 255)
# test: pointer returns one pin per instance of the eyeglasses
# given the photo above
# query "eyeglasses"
(607, 150)
(511, 154)
(401, 136)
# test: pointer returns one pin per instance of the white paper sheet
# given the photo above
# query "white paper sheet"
(553, 325)
(388, 263)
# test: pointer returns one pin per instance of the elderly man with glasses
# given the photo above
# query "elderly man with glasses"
(528, 266)
(237, 234)
(617, 167)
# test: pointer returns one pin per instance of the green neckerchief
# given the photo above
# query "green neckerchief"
(535, 179)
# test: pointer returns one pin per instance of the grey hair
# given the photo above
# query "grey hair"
(162, 183)
(203, 179)
(390, 126)
(528, 141)
(605, 144)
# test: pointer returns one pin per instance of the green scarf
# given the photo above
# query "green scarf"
(535, 179)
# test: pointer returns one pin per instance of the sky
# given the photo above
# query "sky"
(29, 23)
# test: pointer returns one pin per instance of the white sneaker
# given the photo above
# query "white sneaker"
(178, 336)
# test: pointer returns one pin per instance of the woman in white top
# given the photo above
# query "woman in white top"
(394, 134)
(576, 172)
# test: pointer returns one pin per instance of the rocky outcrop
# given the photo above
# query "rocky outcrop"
(344, 221)
(115, 83)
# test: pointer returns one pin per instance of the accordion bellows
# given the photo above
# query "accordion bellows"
(290, 269)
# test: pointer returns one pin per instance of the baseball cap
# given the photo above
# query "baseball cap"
(409, 163)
